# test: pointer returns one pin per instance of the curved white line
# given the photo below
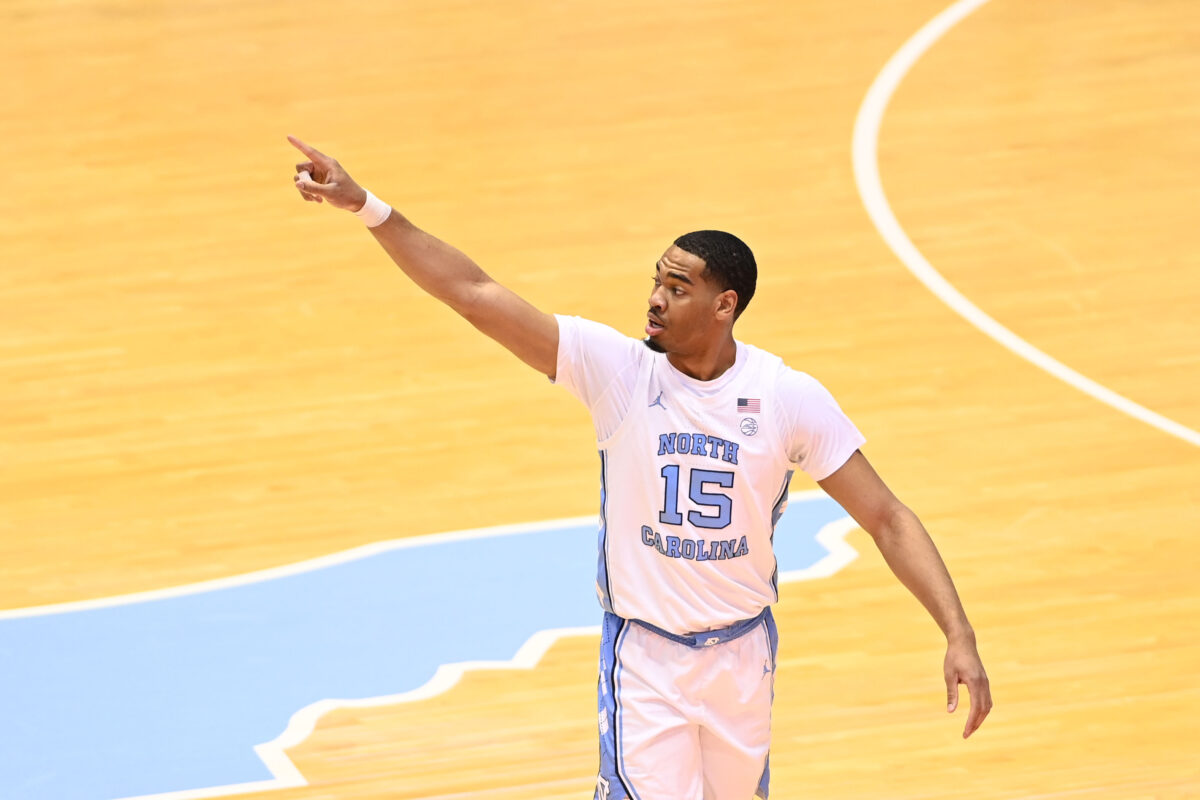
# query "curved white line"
(298, 568)
(866, 174)
(321, 562)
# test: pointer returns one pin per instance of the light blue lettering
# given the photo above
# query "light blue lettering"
(694, 549)
(697, 444)
(672, 547)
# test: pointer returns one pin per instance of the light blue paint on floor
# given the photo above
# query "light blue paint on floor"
(173, 694)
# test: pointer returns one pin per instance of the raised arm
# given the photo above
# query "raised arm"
(440, 269)
(912, 556)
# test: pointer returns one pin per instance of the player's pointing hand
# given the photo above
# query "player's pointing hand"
(322, 178)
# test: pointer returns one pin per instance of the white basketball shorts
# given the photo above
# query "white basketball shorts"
(685, 718)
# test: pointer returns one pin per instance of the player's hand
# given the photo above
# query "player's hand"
(321, 179)
(964, 666)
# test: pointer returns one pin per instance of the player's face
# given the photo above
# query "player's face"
(685, 307)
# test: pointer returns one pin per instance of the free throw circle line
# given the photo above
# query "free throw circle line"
(870, 188)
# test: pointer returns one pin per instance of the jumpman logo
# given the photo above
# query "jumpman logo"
(658, 402)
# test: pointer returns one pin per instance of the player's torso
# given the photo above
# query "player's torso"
(694, 482)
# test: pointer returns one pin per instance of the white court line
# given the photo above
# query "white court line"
(866, 174)
(304, 721)
(300, 567)
(321, 562)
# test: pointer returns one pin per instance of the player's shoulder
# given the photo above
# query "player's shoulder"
(772, 366)
(797, 382)
(590, 329)
(587, 336)
(795, 391)
(760, 361)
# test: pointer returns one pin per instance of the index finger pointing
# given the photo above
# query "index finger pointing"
(316, 156)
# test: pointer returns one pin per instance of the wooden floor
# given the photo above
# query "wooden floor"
(205, 376)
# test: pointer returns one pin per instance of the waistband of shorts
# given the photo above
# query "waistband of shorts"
(710, 638)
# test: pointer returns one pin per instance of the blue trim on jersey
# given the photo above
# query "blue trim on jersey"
(764, 783)
(776, 515)
(611, 768)
(777, 510)
(602, 583)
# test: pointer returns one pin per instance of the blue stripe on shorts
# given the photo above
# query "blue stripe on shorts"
(764, 784)
(611, 784)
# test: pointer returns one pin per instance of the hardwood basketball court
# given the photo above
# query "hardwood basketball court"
(206, 376)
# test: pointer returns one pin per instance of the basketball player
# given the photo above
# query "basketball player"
(698, 436)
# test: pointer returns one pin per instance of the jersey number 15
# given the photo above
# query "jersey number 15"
(698, 481)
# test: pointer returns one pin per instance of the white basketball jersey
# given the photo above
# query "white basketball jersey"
(694, 475)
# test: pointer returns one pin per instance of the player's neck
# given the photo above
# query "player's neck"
(707, 365)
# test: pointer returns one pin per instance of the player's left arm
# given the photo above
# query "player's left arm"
(912, 556)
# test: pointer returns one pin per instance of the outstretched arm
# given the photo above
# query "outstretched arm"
(912, 556)
(440, 269)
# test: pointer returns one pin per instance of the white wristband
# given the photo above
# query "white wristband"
(374, 212)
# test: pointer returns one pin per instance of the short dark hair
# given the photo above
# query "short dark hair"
(727, 259)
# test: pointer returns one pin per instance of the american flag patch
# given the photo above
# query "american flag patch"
(749, 405)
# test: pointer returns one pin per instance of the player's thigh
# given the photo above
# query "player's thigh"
(649, 738)
(735, 734)
(732, 770)
(658, 752)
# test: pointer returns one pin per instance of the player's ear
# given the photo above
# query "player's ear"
(726, 304)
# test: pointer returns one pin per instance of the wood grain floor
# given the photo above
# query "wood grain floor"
(204, 376)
